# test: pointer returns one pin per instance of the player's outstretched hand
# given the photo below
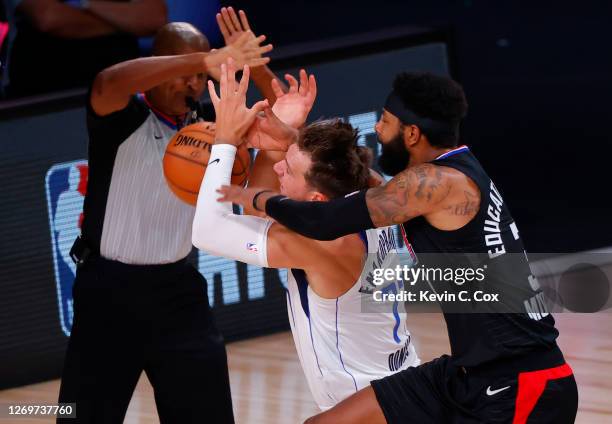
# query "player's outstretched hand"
(233, 116)
(277, 128)
(230, 25)
(294, 106)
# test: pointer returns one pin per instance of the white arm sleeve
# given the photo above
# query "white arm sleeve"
(216, 230)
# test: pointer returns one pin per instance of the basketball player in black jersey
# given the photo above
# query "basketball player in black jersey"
(505, 365)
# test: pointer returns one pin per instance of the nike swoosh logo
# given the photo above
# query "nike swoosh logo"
(157, 137)
(494, 392)
(213, 161)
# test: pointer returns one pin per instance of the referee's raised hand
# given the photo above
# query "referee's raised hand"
(242, 45)
(233, 116)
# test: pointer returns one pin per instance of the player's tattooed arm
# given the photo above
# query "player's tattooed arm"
(416, 191)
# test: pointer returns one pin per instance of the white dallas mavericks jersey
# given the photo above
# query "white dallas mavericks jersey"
(342, 348)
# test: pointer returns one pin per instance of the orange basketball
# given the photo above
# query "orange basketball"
(187, 155)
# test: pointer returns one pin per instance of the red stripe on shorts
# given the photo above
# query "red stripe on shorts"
(408, 245)
(531, 385)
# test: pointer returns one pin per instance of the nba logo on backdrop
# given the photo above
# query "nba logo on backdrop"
(65, 185)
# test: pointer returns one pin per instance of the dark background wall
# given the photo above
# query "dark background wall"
(538, 79)
(538, 76)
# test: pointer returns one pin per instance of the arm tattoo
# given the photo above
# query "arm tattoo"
(410, 193)
(422, 177)
(466, 208)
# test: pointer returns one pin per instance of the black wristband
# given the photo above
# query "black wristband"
(255, 199)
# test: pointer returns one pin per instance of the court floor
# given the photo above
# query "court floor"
(268, 386)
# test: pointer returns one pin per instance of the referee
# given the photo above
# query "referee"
(138, 305)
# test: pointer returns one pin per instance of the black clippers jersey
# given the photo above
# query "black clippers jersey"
(490, 239)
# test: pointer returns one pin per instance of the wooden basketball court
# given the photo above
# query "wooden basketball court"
(268, 386)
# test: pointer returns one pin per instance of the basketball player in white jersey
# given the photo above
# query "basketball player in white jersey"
(341, 348)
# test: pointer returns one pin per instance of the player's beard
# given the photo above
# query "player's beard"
(394, 157)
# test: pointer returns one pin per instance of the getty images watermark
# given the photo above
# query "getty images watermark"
(404, 275)
(472, 283)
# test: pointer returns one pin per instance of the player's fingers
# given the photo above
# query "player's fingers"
(212, 92)
(228, 20)
(222, 195)
(260, 61)
(228, 193)
(224, 198)
(222, 26)
(276, 88)
(244, 81)
(253, 114)
(234, 18)
(303, 83)
(260, 106)
(312, 88)
(265, 49)
(258, 40)
(244, 20)
(269, 113)
(293, 84)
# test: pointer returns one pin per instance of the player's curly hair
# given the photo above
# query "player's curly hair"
(339, 166)
(434, 97)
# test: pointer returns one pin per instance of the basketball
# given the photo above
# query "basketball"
(187, 155)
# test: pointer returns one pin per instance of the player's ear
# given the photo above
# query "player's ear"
(411, 134)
